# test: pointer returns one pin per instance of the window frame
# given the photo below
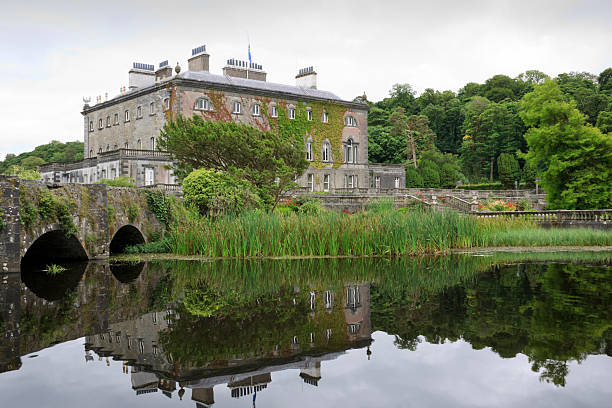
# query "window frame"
(274, 111)
(309, 150)
(310, 182)
(116, 119)
(100, 124)
(152, 108)
(127, 115)
(291, 113)
(326, 182)
(326, 151)
(324, 116)
(350, 121)
(237, 108)
(256, 110)
(138, 112)
(308, 114)
(108, 121)
(91, 126)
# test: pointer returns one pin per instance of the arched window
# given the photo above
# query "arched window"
(326, 153)
(255, 110)
(309, 149)
(100, 150)
(309, 113)
(107, 148)
(291, 112)
(91, 153)
(152, 143)
(139, 144)
(125, 145)
(108, 122)
(350, 121)
(273, 111)
(324, 117)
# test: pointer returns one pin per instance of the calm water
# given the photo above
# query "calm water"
(508, 330)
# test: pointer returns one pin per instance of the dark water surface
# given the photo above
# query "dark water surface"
(505, 330)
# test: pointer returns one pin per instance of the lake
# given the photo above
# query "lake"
(488, 329)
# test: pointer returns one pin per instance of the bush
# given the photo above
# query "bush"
(448, 176)
(311, 207)
(213, 191)
(508, 169)
(430, 173)
(122, 181)
(530, 172)
(413, 178)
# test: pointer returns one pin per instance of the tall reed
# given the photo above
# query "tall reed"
(372, 233)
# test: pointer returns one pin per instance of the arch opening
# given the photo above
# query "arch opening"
(54, 247)
(126, 236)
(126, 272)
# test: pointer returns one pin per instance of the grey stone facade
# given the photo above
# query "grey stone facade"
(132, 121)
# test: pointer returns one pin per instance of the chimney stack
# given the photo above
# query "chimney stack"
(199, 59)
(306, 78)
(164, 71)
(141, 76)
(243, 69)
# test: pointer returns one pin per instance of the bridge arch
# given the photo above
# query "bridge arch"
(125, 236)
(54, 246)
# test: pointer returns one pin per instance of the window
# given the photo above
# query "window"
(91, 153)
(99, 150)
(350, 152)
(324, 117)
(326, 182)
(116, 122)
(291, 113)
(328, 303)
(127, 115)
(350, 181)
(255, 110)
(311, 182)
(91, 126)
(397, 182)
(113, 174)
(152, 108)
(100, 125)
(309, 114)
(108, 148)
(311, 300)
(309, 150)
(108, 122)
(139, 112)
(167, 103)
(326, 154)
(125, 145)
(353, 298)
(353, 328)
(139, 144)
(377, 181)
(152, 143)
(237, 107)
(203, 104)
(350, 121)
(273, 111)
(141, 346)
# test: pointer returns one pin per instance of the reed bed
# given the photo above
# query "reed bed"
(372, 233)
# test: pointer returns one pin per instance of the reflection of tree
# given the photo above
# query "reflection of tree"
(552, 313)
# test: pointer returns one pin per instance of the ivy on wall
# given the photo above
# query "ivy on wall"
(316, 129)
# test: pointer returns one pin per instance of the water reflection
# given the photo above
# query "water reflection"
(180, 326)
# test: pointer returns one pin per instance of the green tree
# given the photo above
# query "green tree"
(268, 160)
(508, 168)
(604, 121)
(430, 172)
(32, 162)
(577, 157)
(605, 80)
(530, 172)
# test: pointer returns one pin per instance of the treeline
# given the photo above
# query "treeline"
(477, 134)
(48, 153)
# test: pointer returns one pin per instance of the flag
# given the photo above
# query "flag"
(250, 53)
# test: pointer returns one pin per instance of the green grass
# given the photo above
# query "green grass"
(380, 232)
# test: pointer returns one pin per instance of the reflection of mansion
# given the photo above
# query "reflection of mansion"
(120, 133)
(151, 370)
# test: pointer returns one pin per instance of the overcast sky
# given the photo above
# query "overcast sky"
(54, 53)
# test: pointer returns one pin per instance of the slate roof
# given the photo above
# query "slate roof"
(258, 85)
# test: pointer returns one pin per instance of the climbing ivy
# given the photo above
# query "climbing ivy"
(47, 207)
(159, 204)
(2, 223)
(318, 130)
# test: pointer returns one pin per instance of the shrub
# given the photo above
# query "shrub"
(214, 191)
(508, 169)
(413, 178)
(448, 176)
(118, 182)
(530, 172)
(311, 207)
(430, 173)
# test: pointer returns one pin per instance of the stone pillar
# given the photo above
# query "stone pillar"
(10, 227)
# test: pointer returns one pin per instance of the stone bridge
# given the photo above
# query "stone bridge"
(42, 223)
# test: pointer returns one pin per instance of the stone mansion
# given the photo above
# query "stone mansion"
(120, 133)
